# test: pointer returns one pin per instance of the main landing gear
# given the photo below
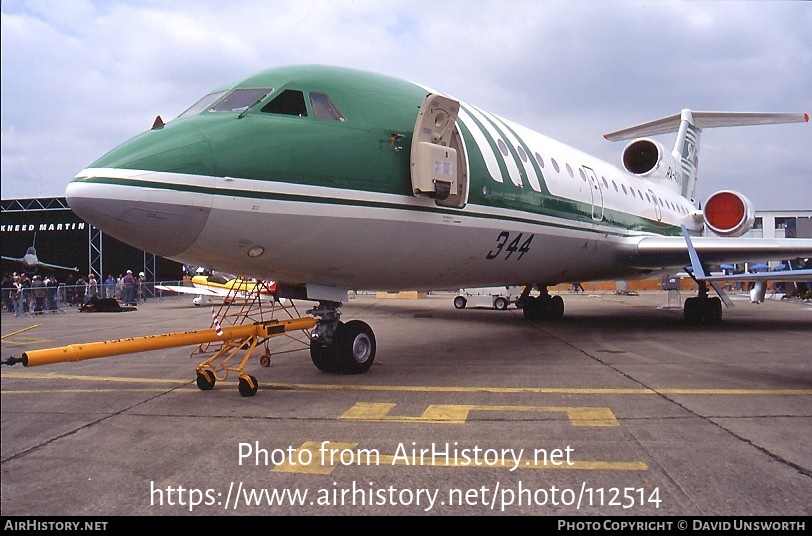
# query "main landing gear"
(338, 347)
(543, 307)
(702, 309)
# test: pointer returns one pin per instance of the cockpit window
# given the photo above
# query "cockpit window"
(240, 99)
(289, 102)
(202, 104)
(324, 108)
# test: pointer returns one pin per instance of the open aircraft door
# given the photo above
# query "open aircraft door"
(439, 165)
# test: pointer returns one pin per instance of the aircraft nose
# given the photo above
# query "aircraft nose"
(150, 192)
(144, 211)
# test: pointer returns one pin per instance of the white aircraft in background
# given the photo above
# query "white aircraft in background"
(328, 179)
(30, 262)
(219, 286)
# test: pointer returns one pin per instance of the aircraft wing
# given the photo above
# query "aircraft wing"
(669, 252)
(57, 266)
(43, 264)
(780, 276)
(197, 291)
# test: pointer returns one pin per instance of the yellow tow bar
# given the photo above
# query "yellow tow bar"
(243, 337)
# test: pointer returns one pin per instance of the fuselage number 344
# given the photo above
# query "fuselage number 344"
(505, 247)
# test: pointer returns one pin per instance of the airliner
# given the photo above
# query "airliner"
(326, 179)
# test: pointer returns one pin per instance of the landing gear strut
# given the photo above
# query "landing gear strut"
(543, 307)
(338, 347)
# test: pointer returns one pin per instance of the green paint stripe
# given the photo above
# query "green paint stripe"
(637, 223)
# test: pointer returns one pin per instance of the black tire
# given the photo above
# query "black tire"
(459, 302)
(692, 311)
(265, 360)
(354, 347)
(323, 356)
(713, 311)
(248, 386)
(500, 304)
(555, 308)
(205, 380)
(531, 308)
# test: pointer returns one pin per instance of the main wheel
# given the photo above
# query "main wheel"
(692, 311)
(555, 308)
(323, 356)
(354, 347)
(531, 308)
(248, 386)
(205, 380)
(459, 302)
(713, 310)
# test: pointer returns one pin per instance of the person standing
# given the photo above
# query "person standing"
(53, 293)
(92, 288)
(110, 287)
(142, 287)
(129, 288)
(39, 292)
(18, 296)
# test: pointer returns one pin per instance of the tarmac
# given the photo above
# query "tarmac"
(620, 409)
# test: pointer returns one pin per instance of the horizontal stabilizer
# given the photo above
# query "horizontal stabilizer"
(670, 124)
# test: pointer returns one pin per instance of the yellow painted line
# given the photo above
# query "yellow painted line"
(20, 331)
(458, 413)
(322, 458)
(440, 389)
(74, 377)
(91, 391)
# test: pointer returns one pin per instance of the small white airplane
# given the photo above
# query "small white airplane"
(30, 262)
(219, 286)
(327, 179)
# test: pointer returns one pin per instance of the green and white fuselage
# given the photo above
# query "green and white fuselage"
(314, 180)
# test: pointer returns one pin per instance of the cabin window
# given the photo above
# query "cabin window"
(606, 184)
(522, 154)
(240, 99)
(502, 147)
(555, 165)
(202, 104)
(289, 102)
(569, 170)
(581, 171)
(624, 189)
(614, 185)
(540, 160)
(323, 107)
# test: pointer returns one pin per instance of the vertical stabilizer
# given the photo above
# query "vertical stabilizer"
(688, 125)
(686, 152)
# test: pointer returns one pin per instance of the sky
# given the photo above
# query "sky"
(80, 77)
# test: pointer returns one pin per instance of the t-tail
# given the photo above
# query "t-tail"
(648, 158)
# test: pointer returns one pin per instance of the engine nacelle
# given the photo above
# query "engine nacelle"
(647, 158)
(729, 213)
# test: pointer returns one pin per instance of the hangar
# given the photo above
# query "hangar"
(61, 237)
